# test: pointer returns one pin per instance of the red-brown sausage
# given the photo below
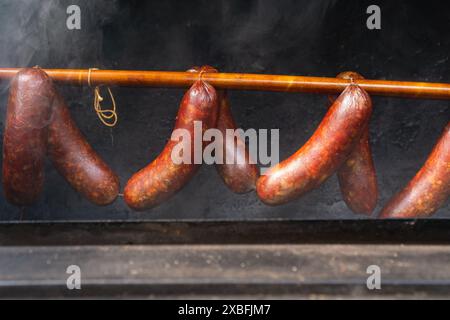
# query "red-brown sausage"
(241, 175)
(162, 178)
(323, 153)
(358, 180)
(75, 159)
(25, 138)
(429, 189)
(357, 176)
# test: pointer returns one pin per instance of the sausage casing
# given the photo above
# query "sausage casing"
(429, 189)
(76, 161)
(162, 178)
(323, 153)
(241, 175)
(357, 176)
(29, 113)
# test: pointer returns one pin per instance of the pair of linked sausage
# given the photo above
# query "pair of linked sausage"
(323, 153)
(357, 176)
(163, 177)
(429, 189)
(240, 174)
(39, 123)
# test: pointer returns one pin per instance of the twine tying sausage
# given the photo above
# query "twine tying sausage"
(202, 70)
(107, 116)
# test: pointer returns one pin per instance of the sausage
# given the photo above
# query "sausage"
(357, 176)
(429, 189)
(28, 115)
(241, 175)
(162, 178)
(75, 159)
(323, 153)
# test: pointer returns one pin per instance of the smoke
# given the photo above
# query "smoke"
(271, 30)
(35, 33)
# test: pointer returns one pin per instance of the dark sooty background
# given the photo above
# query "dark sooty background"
(320, 38)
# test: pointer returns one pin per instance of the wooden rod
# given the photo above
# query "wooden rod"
(242, 81)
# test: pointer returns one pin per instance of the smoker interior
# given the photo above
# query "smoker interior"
(318, 38)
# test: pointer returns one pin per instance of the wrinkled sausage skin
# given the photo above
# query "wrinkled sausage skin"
(358, 180)
(238, 177)
(357, 176)
(75, 159)
(429, 189)
(25, 138)
(322, 154)
(241, 175)
(162, 178)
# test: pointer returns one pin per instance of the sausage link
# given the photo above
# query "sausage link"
(75, 159)
(241, 175)
(162, 178)
(357, 176)
(323, 153)
(429, 189)
(25, 138)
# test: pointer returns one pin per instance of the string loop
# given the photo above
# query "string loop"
(107, 116)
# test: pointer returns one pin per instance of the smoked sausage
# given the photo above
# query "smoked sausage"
(429, 189)
(323, 153)
(162, 178)
(241, 175)
(28, 116)
(75, 159)
(357, 176)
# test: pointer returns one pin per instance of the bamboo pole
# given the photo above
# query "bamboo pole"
(242, 81)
